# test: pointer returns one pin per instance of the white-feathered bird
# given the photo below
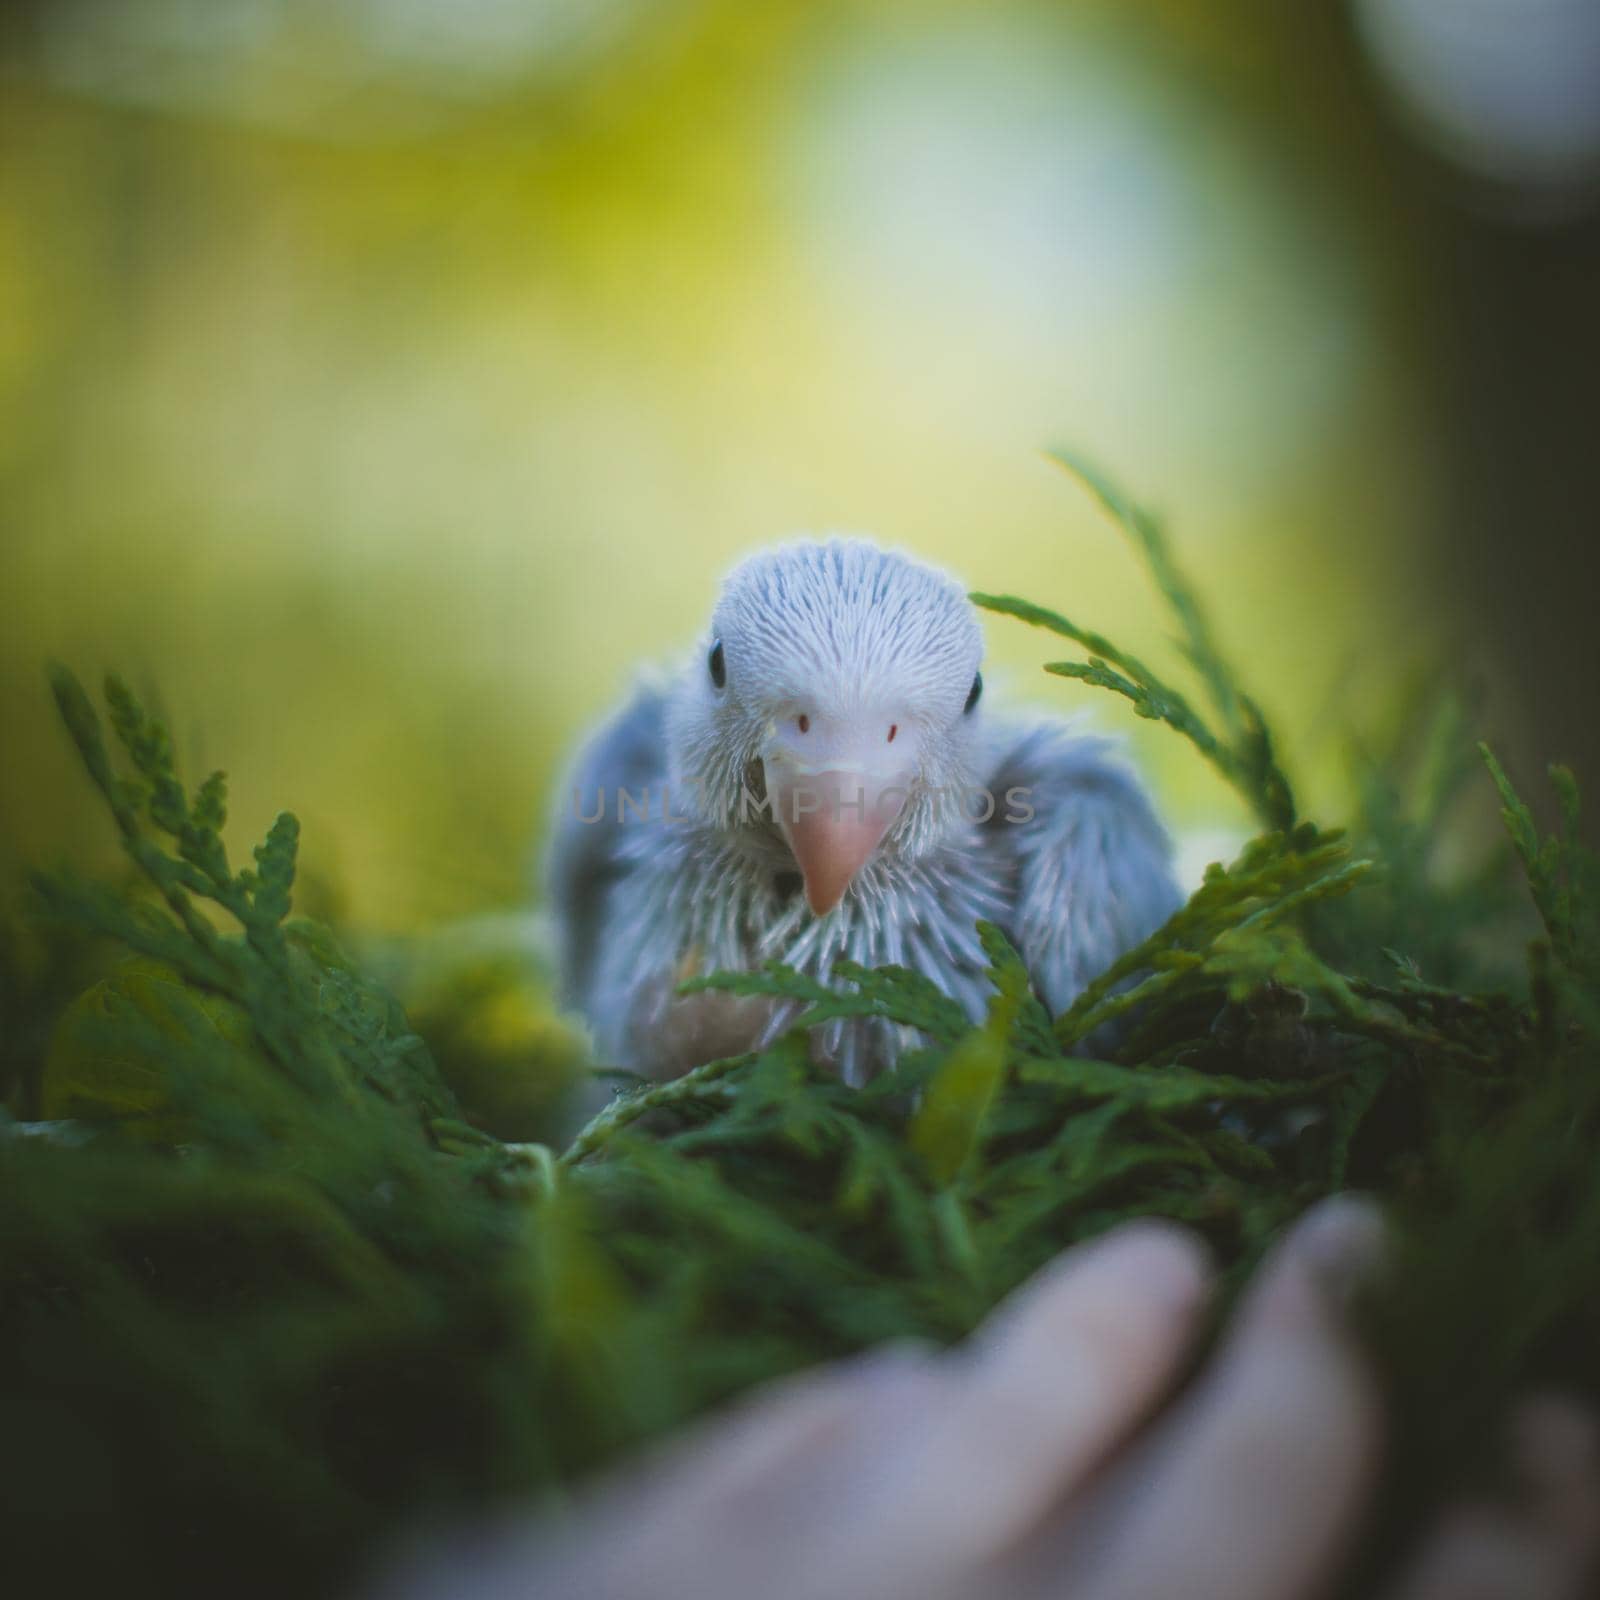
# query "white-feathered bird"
(825, 779)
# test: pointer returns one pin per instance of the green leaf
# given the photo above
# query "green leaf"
(1243, 751)
(948, 1125)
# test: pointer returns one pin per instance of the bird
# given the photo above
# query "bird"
(823, 777)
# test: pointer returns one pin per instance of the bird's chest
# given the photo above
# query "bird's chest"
(703, 909)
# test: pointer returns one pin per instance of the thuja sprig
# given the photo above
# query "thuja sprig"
(1559, 871)
(320, 1022)
(1275, 876)
(1242, 751)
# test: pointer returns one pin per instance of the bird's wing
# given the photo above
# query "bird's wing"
(1093, 863)
(585, 855)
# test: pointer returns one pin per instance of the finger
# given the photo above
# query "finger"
(1251, 1486)
(744, 1500)
(1556, 1453)
(718, 1511)
(1541, 1549)
(1057, 1378)
(791, 1421)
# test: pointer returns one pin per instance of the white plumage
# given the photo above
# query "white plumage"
(814, 783)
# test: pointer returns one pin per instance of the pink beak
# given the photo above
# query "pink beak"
(832, 821)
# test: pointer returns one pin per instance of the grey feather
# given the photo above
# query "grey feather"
(585, 858)
(641, 904)
(1093, 867)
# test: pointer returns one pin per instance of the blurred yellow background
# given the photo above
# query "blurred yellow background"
(384, 382)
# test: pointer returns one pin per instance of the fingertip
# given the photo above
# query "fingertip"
(1343, 1240)
(1555, 1453)
(1555, 1440)
(1331, 1254)
(1155, 1260)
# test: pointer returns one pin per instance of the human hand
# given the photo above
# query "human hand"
(1019, 1466)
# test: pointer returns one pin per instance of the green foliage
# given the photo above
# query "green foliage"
(317, 1020)
(276, 1273)
(1242, 750)
(1559, 873)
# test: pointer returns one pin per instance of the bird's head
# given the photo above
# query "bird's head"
(834, 705)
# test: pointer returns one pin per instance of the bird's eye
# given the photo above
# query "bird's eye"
(718, 665)
(973, 693)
